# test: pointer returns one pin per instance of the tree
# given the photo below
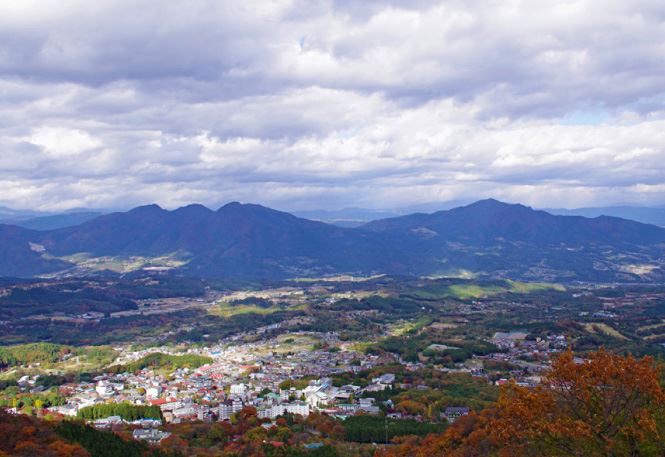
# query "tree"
(125, 410)
(257, 434)
(410, 407)
(608, 405)
(63, 449)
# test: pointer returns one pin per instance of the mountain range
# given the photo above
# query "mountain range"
(355, 217)
(251, 241)
(345, 217)
(46, 221)
(646, 214)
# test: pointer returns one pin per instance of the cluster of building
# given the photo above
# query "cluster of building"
(516, 344)
(255, 374)
(241, 375)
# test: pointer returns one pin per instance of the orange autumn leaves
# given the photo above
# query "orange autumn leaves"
(26, 436)
(606, 405)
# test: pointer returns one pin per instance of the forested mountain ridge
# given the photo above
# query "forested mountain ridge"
(251, 241)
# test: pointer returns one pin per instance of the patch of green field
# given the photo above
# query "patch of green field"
(600, 327)
(288, 343)
(404, 327)
(14, 374)
(470, 290)
(291, 342)
(443, 325)
(358, 346)
(91, 359)
(461, 291)
(651, 327)
(227, 310)
(530, 287)
(473, 291)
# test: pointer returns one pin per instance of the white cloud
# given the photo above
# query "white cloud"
(62, 142)
(342, 103)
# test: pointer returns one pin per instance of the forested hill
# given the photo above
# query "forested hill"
(251, 241)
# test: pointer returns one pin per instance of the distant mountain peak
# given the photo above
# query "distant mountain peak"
(194, 208)
(489, 201)
(194, 205)
(151, 208)
(251, 210)
(494, 203)
(230, 205)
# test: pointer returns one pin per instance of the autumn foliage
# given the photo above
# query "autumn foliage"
(607, 405)
(26, 436)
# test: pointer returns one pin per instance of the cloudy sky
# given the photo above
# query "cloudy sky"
(329, 104)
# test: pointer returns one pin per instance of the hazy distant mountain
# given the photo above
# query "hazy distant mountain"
(347, 217)
(41, 220)
(251, 241)
(646, 215)
(55, 221)
(355, 217)
(9, 214)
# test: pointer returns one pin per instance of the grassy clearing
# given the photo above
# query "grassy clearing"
(288, 343)
(600, 327)
(358, 346)
(86, 362)
(530, 287)
(227, 310)
(402, 328)
(461, 291)
(474, 291)
(468, 291)
(412, 326)
(652, 326)
(443, 325)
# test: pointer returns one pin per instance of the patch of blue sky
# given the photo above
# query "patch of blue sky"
(585, 118)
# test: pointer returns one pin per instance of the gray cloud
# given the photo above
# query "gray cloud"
(331, 103)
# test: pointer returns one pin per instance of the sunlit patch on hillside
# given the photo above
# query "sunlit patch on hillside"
(128, 264)
(604, 329)
(453, 274)
(228, 310)
(639, 269)
(470, 290)
(340, 278)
